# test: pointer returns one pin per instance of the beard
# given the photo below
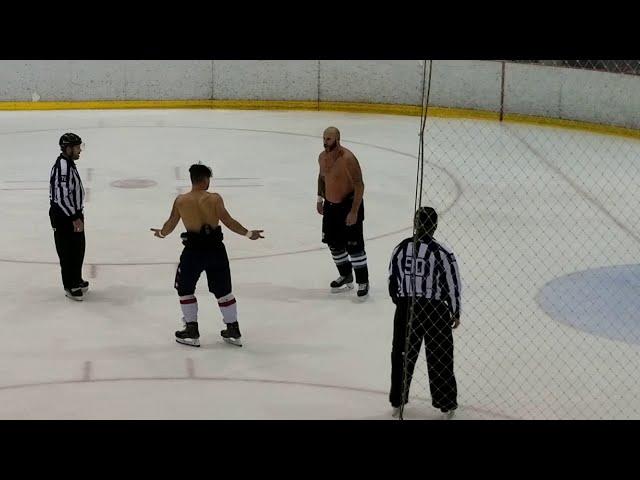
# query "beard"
(330, 148)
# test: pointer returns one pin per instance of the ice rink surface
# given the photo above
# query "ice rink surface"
(310, 354)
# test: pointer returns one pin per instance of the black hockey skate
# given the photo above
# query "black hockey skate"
(84, 286)
(342, 284)
(232, 334)
(448, 413)
(190, 335)
(363, 290)
(74, 294)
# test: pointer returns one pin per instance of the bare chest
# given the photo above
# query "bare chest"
(333, 168)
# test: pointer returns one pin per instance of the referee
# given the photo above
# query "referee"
(66, 198)
(430, 271)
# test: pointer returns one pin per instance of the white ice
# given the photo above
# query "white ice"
(307, 354)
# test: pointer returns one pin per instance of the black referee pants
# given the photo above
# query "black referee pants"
(432, 323)
(70, 247)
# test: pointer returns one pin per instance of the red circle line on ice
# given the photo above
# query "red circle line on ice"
(133, 183)
(191, 375)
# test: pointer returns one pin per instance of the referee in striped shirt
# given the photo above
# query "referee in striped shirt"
(66, 198)
(428, 270)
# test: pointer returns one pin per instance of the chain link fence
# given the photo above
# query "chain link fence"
(545, 225)
(631, 67)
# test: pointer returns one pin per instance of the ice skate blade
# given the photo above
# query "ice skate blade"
(344, 288)
(233, 341)
(192, 342)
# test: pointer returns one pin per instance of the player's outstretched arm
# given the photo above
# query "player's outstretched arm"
(170, 224)
(232, 224)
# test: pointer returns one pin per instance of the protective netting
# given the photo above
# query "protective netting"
(613, 66)
(544, 223)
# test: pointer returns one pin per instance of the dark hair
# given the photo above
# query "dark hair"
(199, 172)
(426, 222)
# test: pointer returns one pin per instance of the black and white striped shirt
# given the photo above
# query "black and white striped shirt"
(66, 193)
(432, 274)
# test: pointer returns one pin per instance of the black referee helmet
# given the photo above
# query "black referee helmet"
(426, 222)
(69, 140)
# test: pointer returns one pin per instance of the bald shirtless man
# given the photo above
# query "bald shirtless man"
(340, 191)
(200, 212)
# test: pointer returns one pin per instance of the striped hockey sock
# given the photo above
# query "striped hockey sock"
(341, 259)
(229, 308)
(189, 306)
(359, 262)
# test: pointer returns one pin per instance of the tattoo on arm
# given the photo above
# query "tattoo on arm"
(355, 173)
(321, 186)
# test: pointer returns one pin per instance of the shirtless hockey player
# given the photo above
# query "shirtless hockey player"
(204, 250)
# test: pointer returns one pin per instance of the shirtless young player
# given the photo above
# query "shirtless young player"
(201, 213)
